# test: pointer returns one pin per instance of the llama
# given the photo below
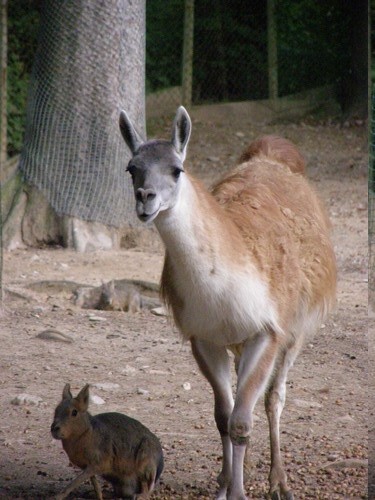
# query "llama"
(249, 268)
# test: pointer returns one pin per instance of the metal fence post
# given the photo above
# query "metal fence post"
(3, 120)
(3, 81)
(187, 54)
(272, 50)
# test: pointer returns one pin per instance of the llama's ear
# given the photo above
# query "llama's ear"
(181, 131)
(129, 133)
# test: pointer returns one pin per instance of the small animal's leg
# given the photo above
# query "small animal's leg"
(134, 301)
(215, 365)
(97, 488)
(125, 488)
(274, 404)
(145, 492)
(81, 478)
(146, 466)
(254, 370)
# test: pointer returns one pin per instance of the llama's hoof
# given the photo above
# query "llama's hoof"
(221, 494)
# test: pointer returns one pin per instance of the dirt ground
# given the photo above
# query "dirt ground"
(152, 374)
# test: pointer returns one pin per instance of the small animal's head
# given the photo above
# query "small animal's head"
(107, 296)
(71, 416)
(156, 167)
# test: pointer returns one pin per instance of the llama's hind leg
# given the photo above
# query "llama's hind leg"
(215, 365)
(254, 370)
(274, 404)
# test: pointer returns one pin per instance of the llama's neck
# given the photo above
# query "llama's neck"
(212, 283)
(196, 228)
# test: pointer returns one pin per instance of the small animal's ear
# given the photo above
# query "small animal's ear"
(112, 286)
(66, 392)
(129, 133)
(181, 132)
(82, 399)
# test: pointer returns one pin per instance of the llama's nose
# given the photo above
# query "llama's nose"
(144, 195)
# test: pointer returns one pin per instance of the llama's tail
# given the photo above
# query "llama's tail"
(275, 148)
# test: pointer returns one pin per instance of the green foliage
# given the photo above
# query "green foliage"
(230, 50)
(313, 40)
(164, 33)
(230, 46)
(23, 24)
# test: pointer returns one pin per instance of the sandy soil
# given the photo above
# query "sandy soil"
(324, 426)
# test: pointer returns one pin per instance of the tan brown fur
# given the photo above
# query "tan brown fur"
(286, 230)
(275, 148)
(265, 212)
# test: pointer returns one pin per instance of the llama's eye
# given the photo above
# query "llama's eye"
(176, 172)
(131, 170)
(74, 413)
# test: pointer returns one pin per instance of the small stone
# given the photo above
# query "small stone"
(143, 392)
(96, 400)
(105, 386)
(159, 372)
(159, 311)
(354, 463)
(26, 399)
(128, 370)
(345, 419)
(39, 309)
(55, 335)
(186, 386)
(301, 403)
(96, 318)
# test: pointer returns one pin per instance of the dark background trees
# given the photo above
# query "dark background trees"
(318, 43)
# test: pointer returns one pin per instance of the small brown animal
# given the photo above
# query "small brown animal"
(118, 295)
(114, 299)
(118, 448)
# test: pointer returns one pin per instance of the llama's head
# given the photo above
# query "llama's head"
(156, 166)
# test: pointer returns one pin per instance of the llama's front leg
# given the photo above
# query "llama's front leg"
(254, 370)
(215, 365)
(274, 404)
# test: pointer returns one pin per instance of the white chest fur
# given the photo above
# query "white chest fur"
(224, 307)
(221, 301)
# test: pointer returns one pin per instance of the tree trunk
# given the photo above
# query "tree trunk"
(89, 64)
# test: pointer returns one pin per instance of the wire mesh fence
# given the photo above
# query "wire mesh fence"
(243, 51)
(73, 151)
